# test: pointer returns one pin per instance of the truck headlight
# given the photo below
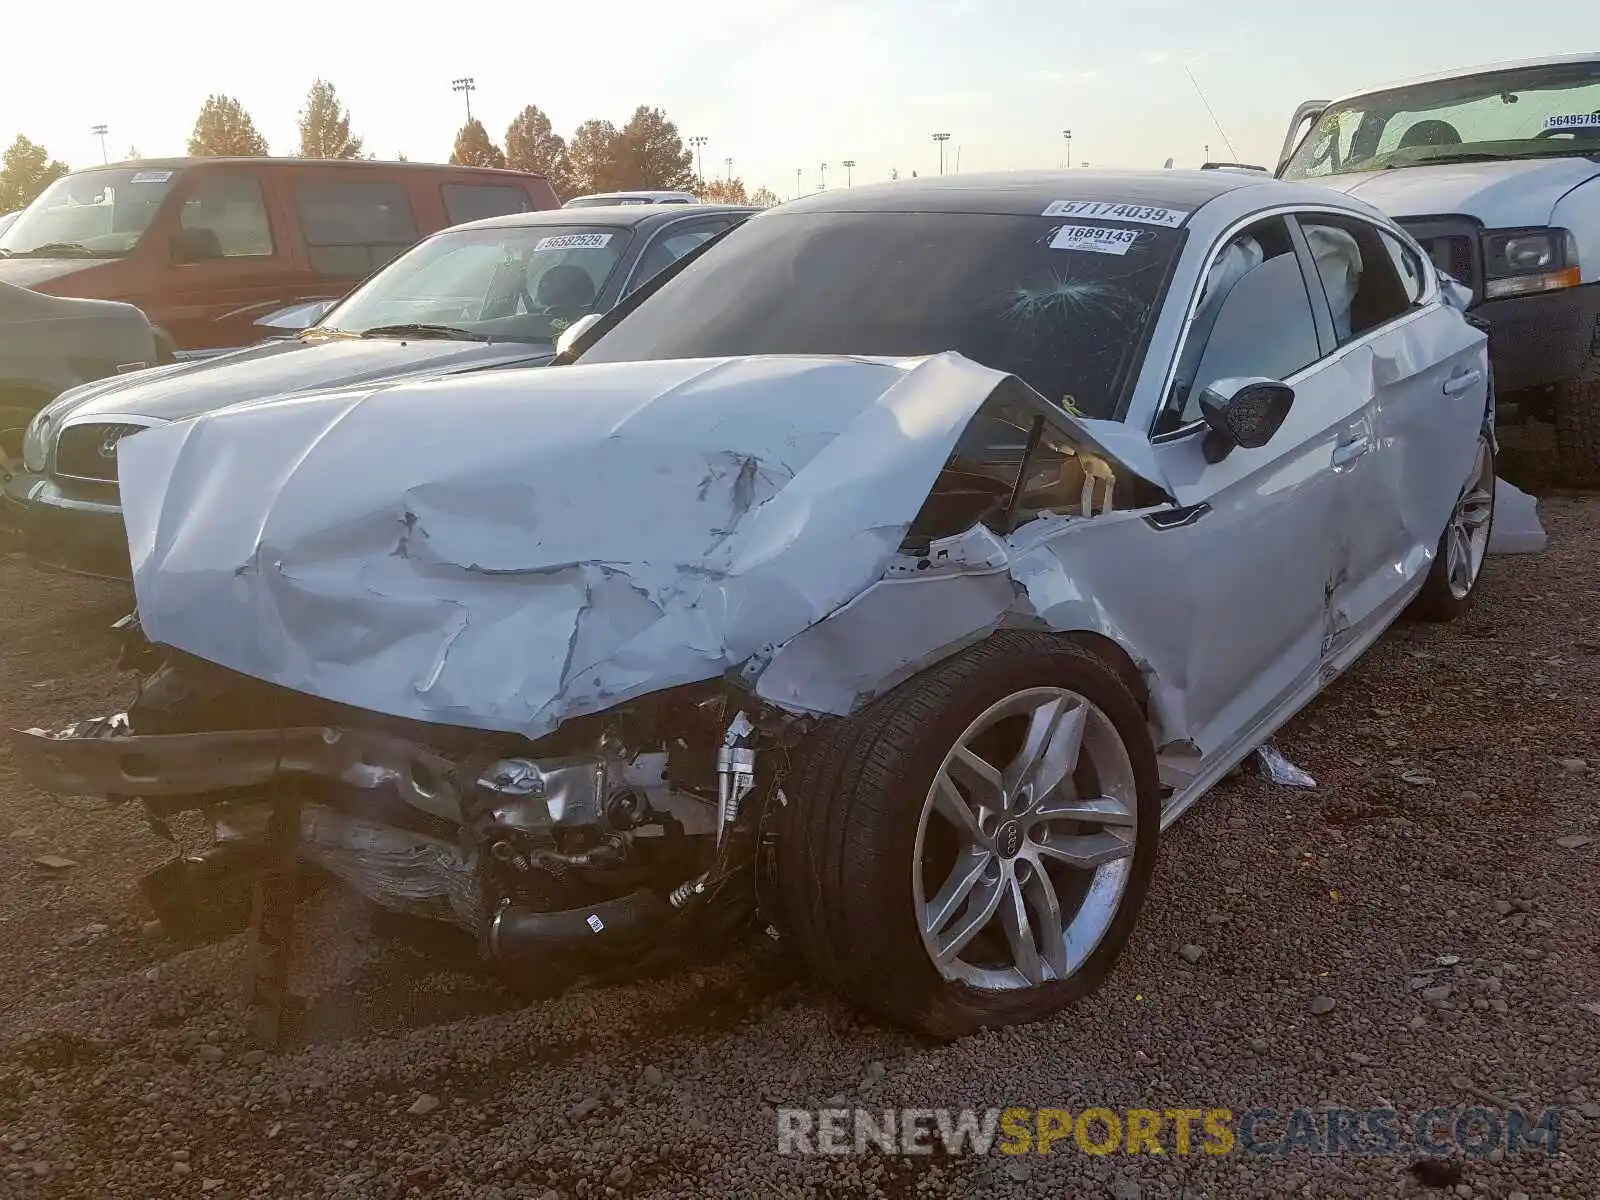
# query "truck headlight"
(36, 442)
(1531, 260)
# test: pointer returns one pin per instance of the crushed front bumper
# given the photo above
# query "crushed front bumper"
(64, 532)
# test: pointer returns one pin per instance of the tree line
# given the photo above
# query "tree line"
(645, 152)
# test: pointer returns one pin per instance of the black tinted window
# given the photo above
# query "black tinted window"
(352, 229)
(1359, 275)
(1070, 322)
(474, 201)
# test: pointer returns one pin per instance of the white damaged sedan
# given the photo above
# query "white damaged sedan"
(894, 571)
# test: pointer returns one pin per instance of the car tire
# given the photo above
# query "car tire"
(1458, 558)
(862, 838)
(1577, 413)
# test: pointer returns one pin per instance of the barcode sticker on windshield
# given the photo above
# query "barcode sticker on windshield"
(151, 177)
(1574, 121)
(573, 241)
(1102, 210)
(1094, 238)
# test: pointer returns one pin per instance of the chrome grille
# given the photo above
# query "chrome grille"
(89, 451)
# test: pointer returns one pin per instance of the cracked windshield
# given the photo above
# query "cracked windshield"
(878, 599)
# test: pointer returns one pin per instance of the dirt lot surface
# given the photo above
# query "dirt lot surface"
(1421, 930)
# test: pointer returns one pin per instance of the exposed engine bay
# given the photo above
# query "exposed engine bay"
(588, 840)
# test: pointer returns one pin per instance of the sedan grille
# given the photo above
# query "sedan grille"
(1451, 246)
(89, 451)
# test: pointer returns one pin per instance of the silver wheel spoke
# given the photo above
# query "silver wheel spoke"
(957, 888)
(1083, 850)
(979, 912)
(1049, 752)
(1459, 565)
(1099, 810)
(980, 779)
(953, 807)
(1019, 933)
(1475, 508)
(1045, 907)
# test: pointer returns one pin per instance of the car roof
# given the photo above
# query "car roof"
(622, 216)
(1512, 64)
(647, 192)
(350, 164)
(1028, 193)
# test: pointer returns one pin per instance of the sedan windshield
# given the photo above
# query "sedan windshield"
(516, 283)
(1532, 112)
(90, 214)
(1064, 305)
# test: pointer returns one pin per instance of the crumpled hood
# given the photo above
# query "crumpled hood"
(284, 368)
(510, 550)
(1503, 195)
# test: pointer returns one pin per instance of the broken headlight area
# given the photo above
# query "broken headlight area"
(584, 847)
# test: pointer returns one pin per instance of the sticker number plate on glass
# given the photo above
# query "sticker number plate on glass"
(573, 241)
(1105, 210)
(1574, 121)
(1094, 238)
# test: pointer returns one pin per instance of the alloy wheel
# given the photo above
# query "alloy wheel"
(1466, 540)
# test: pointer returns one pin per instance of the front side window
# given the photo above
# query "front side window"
(89, 214)
(225, 216)
(1254, 320)
(465, 202)
(524, 283)
(1532, 112)
(1067, 312)
(352, 229)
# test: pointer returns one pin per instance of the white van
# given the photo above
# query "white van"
(1495, 170)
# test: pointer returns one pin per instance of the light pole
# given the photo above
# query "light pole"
(941, 138)
(466, 85)
(100, 132)
(699, 144)
(798, 172)
(1066, 135)
(728, 162)
(1207, 149)
(822, 171)
(849, 165)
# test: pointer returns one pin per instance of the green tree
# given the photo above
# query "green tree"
(325, 125)
(533, 145)
(224, 129)
(651, 153)
(26, 169)
(474, 149)
(593, 159)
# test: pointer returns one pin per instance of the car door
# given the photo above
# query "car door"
(1255, 533)
(1426, 371)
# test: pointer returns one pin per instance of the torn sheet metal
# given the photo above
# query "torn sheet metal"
(508, 551)
(1516, 528)
(1276, 768)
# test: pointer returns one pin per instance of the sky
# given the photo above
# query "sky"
(777, 85)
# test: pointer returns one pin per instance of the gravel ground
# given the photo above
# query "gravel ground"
(1456, 767)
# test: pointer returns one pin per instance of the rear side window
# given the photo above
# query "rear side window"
(1366, 284)
(352, 229)
(474, 201)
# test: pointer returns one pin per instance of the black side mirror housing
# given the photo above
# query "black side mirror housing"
(1243, 412)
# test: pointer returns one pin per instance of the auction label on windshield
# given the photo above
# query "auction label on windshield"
(151, 177)
(1103, 210)
(1094, 239)
(1574, 121)
(573, 241)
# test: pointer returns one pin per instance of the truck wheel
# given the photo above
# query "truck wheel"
(1578, 432)
(973, 849)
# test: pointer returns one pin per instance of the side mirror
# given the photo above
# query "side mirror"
(297, 318)
(195, 245)
(571, 334)
(1243, 412)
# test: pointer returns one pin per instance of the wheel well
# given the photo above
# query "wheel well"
(1118, 659)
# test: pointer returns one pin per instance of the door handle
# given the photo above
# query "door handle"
(1460, 383)
(1349, 451)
